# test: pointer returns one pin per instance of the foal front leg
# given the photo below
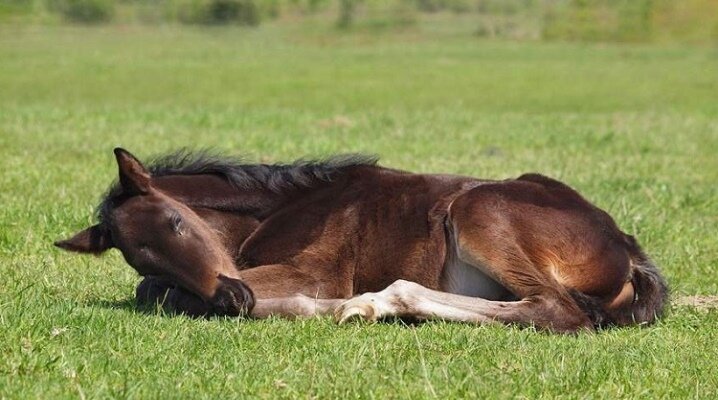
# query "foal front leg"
(154, 291)
(286, 291)
(279, 290)
(297, 306)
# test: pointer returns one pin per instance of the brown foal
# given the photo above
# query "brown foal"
(346, 237)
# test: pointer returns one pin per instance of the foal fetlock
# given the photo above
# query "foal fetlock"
(554, 314)
(395, 300)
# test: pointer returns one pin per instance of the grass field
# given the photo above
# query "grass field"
(634, 128)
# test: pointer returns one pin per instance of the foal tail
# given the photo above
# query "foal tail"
(651, 290)
(649, 300)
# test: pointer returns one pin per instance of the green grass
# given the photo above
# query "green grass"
(634, 128)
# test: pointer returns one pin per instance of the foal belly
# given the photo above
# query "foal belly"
(467, 280)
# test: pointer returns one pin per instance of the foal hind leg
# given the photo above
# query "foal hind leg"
(409, 299)
(493, 235)
(523, 237)
(541, 303)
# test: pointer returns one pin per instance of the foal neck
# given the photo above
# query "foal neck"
(216, 193)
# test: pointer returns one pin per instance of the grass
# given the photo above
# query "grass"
(634, 128)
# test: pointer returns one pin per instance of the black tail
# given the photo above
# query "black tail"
(650, 300)
(651, 293)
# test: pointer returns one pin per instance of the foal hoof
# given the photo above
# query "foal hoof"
(233, 298)
(356, 309)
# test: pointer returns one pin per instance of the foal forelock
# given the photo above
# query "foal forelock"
(276, 178)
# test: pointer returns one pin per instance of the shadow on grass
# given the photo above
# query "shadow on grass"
(130, 304)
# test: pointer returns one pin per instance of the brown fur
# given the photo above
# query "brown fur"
(226, 236)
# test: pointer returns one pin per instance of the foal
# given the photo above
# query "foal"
(217, 237)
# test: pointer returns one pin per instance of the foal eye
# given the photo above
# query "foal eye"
(176, 223)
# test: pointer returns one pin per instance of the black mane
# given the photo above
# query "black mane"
(277, 178)
(274, 177)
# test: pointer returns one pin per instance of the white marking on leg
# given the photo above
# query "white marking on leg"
(409, 299)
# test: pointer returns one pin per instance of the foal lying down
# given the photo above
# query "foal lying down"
(348, 238)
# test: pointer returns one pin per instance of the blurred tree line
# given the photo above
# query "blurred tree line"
(579, 20)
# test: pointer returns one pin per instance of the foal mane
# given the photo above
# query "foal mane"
(273, 177)
(277, 178)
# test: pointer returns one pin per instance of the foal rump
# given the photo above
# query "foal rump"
(563, 258)
(643, 297)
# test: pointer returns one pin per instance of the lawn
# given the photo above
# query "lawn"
(633, 127)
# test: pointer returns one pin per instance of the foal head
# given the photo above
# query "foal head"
(161, 236)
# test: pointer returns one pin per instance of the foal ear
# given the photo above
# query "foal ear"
(134, 177)
(94, 240)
